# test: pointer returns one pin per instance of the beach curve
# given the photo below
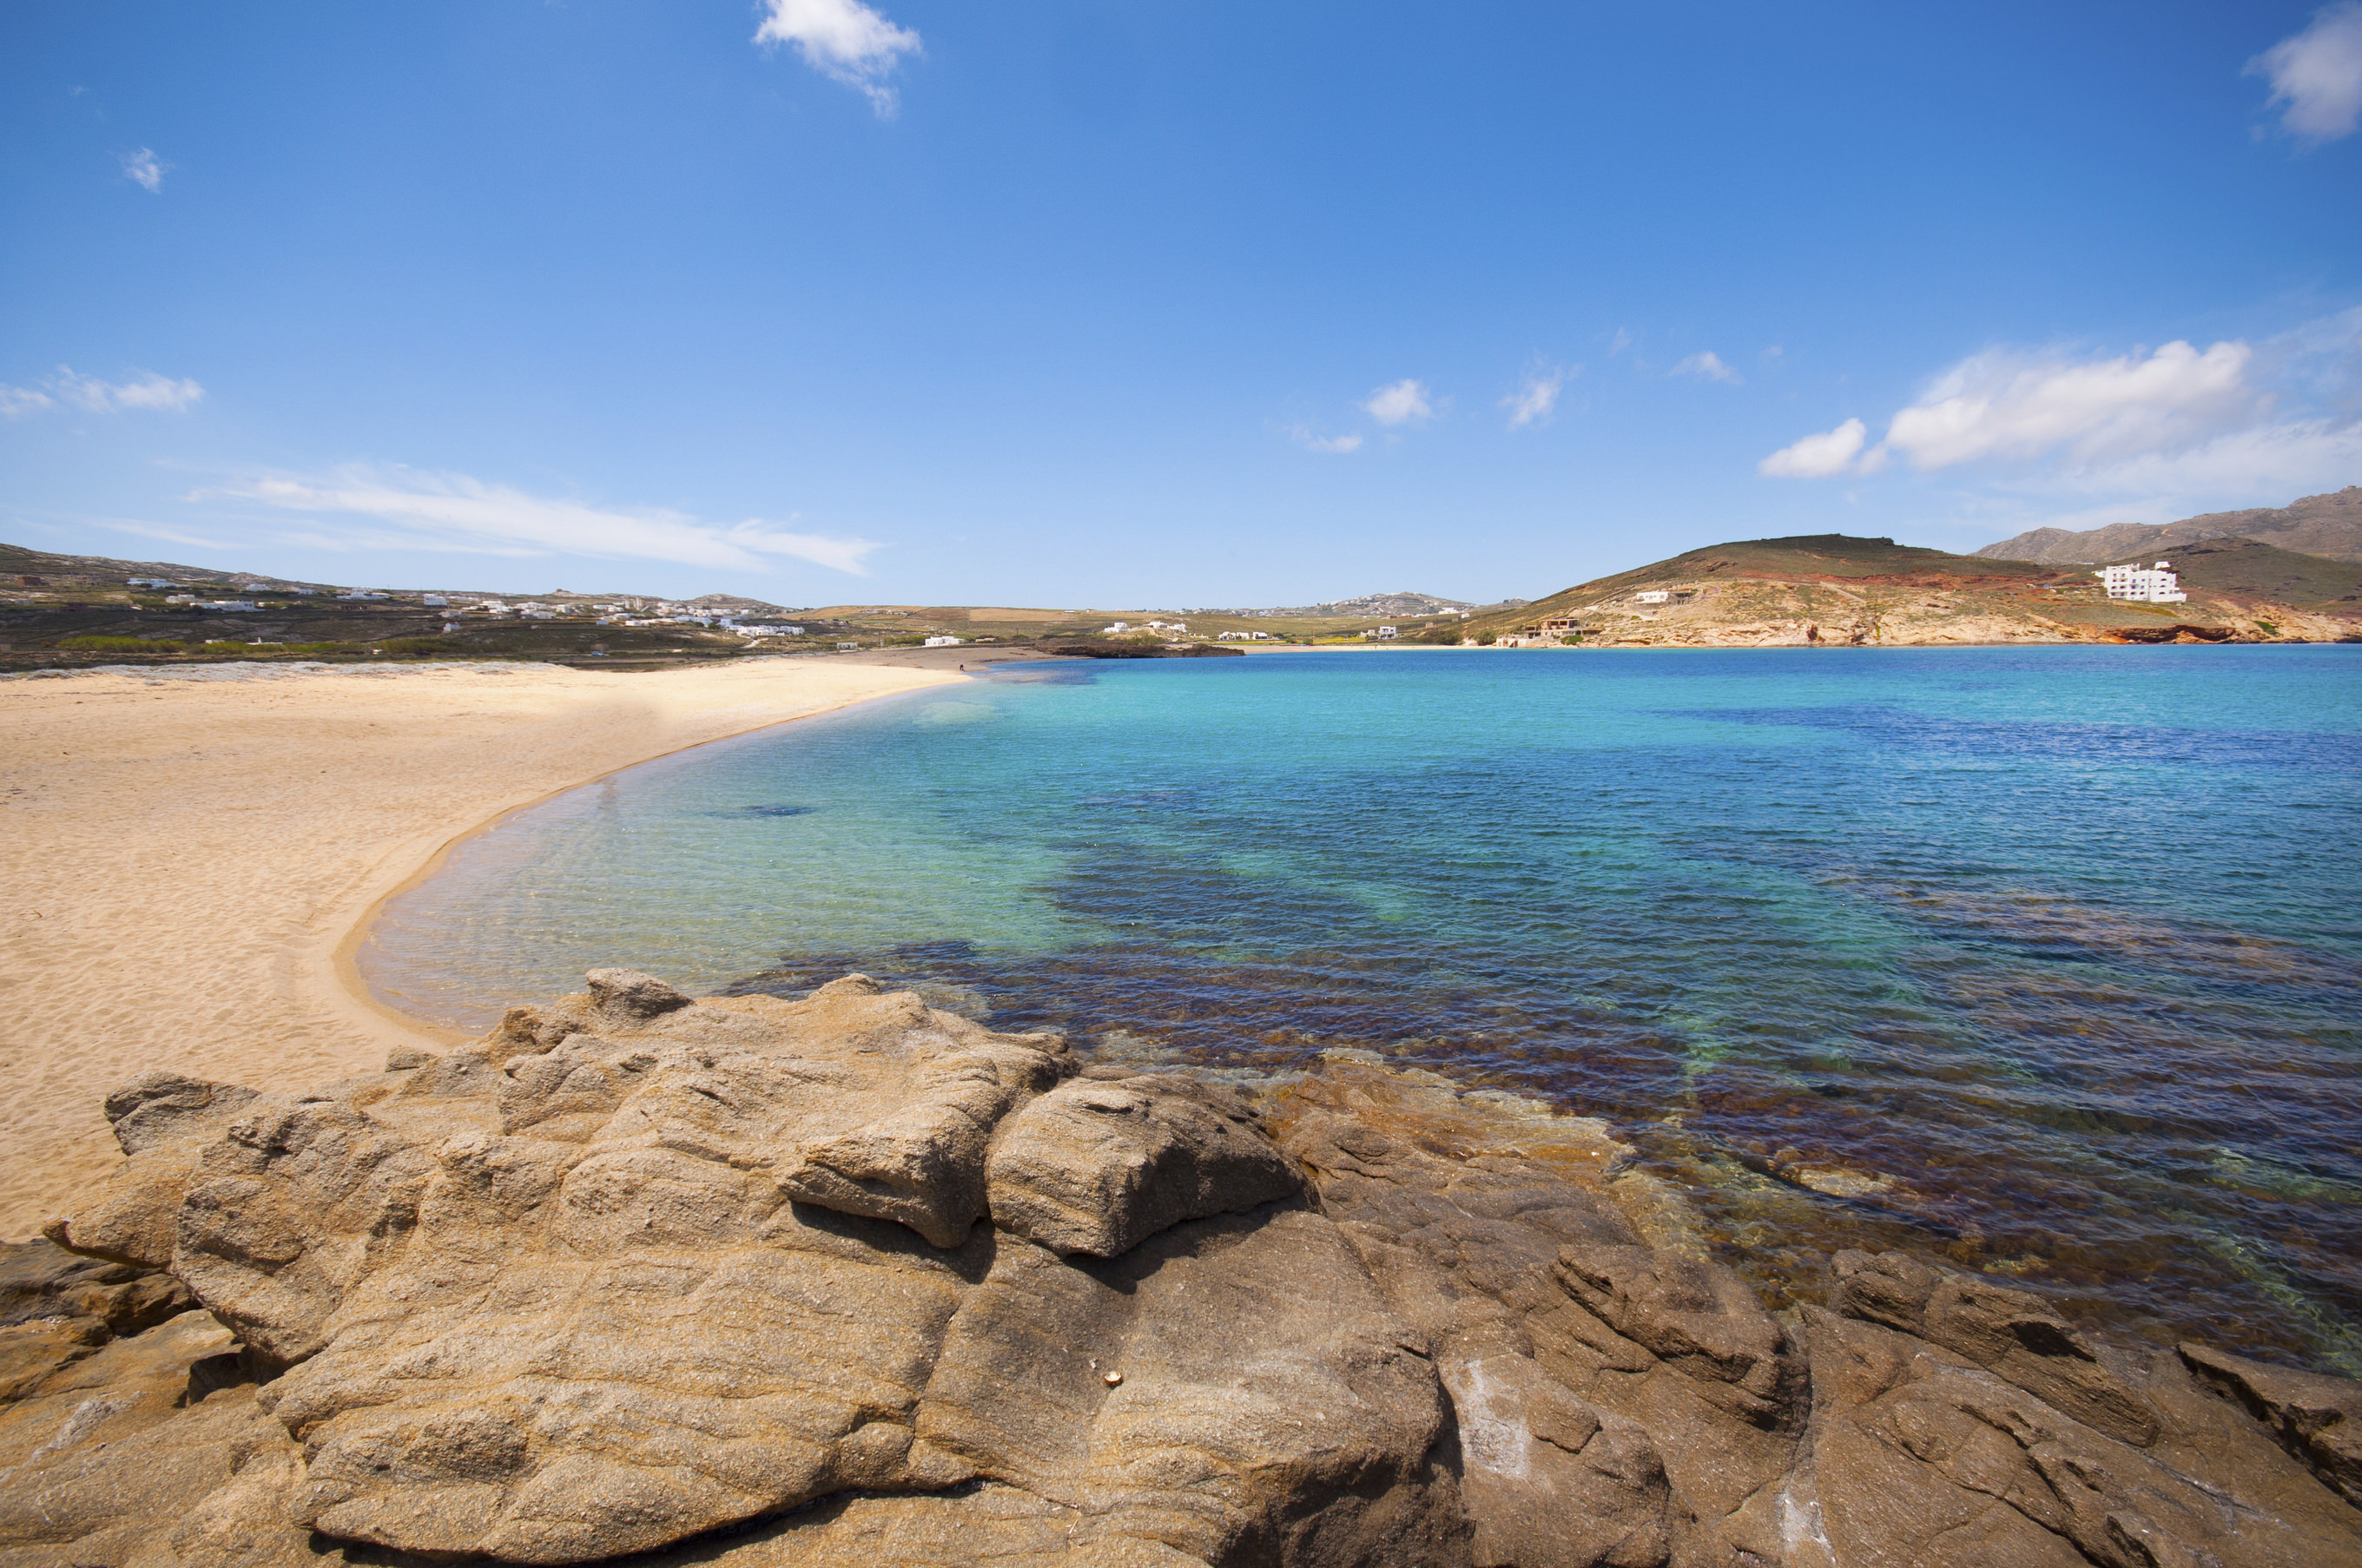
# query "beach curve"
(192, 864)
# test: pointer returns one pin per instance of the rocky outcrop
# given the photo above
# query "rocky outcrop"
(2316, 1419)
(851, 1280)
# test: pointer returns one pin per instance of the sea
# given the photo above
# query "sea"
(2045, 962)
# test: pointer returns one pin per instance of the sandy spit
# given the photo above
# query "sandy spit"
(184, 861)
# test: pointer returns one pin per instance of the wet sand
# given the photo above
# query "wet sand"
(188, 861)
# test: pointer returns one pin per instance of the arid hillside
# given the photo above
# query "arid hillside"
(2328, 525)
(1835, 590)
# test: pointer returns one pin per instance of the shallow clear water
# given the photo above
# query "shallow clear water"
(2043, 960)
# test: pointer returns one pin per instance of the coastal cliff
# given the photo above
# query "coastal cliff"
(851, 1280)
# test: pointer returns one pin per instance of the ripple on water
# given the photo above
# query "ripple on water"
(1871, 949)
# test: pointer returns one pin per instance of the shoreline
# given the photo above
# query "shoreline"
(189, 886)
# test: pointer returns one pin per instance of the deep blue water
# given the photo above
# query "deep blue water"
(2050, 954)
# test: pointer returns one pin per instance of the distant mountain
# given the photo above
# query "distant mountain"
(2329, 524)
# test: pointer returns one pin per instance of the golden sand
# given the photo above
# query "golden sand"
(187, 864)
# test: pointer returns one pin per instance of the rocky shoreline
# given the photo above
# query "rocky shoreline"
(851, 1280)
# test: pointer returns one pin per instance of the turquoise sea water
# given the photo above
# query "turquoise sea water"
(2043, 960)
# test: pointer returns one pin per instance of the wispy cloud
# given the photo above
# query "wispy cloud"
(441, 511)
(2317, 75)
(145, 170)
(170, 535)
(146, 390)
(1536, 396)
(843, 40)
(1399, 403)
(1708, 367)
(149, 390)
(1311, 440)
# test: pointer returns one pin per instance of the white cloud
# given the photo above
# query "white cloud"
(1818, 456)
(1399, 403)
(2317, 75)
(149, 390)
(2009, 404)
(2296, 457)
(1535, 400)
(843, 40)
(1312, 440)
(145, 170)
(1707, 366)
(2153, 436)
(456, 512)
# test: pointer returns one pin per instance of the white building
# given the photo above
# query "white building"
(1653, 596)
(434, 601)
(2155, 585)
(1387, 634)
(943, 642)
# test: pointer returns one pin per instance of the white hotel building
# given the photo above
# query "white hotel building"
(2151, 585)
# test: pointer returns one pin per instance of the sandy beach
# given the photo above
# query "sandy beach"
(187, 860)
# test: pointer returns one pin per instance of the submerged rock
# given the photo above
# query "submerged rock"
(853, 1280)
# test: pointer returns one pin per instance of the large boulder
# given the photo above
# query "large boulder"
(1101, 1165)
(635, 1268)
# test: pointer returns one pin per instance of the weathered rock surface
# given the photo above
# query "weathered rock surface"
(2318, 1419)
(854, 1281)
(1099, 1165)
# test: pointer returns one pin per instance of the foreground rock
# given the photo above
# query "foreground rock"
(853, 1281)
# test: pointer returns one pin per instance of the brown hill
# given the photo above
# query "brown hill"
(2256, 570)
(1836, 589)
(2328, 525)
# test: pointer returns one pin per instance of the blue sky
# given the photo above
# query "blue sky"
(1137, 302)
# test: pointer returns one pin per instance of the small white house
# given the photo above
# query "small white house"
(848, 647)
(1115, 627)
(1653, 596)
(434, 601)
(1387, 634)
(943, 642)
(2155, 585)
